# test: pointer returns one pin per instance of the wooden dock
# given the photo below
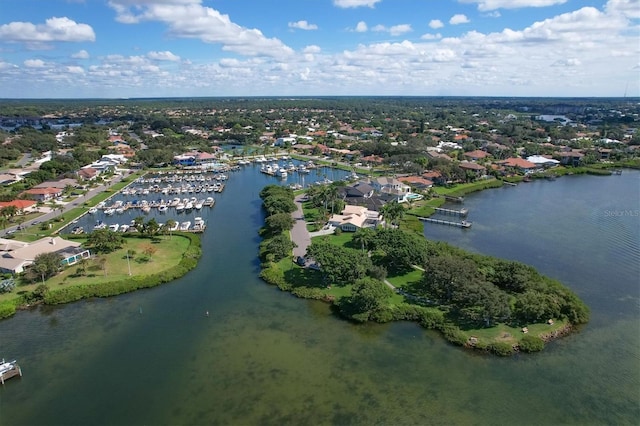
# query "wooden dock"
(9, 370)
(462, 224)
(454, 199)
(452, 212)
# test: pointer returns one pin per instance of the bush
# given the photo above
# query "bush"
(501, 348)
(454, 335)
(530, 343)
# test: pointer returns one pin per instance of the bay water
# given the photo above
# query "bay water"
(265, 357)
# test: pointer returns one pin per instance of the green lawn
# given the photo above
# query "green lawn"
(467, 188)
(169, 252)
(403, 281)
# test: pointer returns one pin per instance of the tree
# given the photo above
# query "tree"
(46, 265)
(363, 237)
(104, 241)
(149, 250)
(279, 222)
(169, 225)
(368, 298)
(392, 212)
(9, 212)
(276, 248)
(339, 265)
(151, 228)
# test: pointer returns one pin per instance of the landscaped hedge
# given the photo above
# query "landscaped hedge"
(188, 262)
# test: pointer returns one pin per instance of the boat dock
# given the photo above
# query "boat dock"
(454, 199)
(8, 370)
(452, 212)
(462, 224)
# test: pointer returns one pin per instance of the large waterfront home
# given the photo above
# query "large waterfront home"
(16, 255)
(353, 218)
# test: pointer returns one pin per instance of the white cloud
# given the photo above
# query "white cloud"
(34, 63)
(303, 25)
(81, 54)
(486, 5)
(189, 19)
(431, 36)
(435, 24)
(312, 49)
(355, 3)
(361, 27)
(75, 69)
(568, 62)
(163, 56)
(458, 19)
(54, 29)
(395, 30)
(629, 8)
(493, 14)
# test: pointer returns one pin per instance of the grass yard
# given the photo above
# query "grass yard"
(403, 281)
(169, 252)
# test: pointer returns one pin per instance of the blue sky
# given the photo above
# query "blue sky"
(158, 48)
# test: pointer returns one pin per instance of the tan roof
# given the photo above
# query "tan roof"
(44, 245)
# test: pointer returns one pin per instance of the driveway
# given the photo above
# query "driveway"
(299, 233)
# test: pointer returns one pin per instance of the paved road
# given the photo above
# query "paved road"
(66, 207)
(299, 233)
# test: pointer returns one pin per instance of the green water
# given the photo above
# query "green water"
(265, 357)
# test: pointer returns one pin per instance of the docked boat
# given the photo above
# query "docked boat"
(184, 226)
(124, 227)
(109, 211)
(114, 227)
(9, 369)
(163, 208)
(93, 210)
(199, 224)
(282, 173)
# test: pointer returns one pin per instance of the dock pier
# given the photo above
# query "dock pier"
(452, 212)
(9, 370)
(462, 224)
(454, 199)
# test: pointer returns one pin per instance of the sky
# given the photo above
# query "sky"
(188, 48)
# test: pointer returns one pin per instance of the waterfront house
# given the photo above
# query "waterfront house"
(519, 164)
(571, 158)
(15, 255)
(353, 218)
(417, 182)
(391, 186)
(42, 194)
(475, 168)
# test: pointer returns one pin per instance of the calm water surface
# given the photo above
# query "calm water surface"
(264, 357)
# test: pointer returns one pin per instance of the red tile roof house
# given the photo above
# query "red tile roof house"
(88, 173)
(417, 182)
(42, 194)
(519, 163)
(478, 169)
(18, 204)
(476, 155)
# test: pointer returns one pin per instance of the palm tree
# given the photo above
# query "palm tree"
(392, 212)
(169, 226)
(364, 237)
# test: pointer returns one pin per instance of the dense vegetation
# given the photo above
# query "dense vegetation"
(456, 291)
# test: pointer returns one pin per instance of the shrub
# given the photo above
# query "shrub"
(501, 348)
(454, 335)
(530, 343)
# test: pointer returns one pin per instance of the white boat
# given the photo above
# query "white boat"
(282, 173)
(198, 224)
(99, 225)
(120, 210)
(175, 226)
(163, 208)
(93, 210)
(114, 227)
(198, 205)
(184, 226)
(188, 206)
(124, 228)
(109, 211)
(209, 201)
(302, 169)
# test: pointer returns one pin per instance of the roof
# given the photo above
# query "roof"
(416, 180)
(44, 245)
(476, 154)
(471, 166)
(43, 191)
(19, 204)
(518, 162)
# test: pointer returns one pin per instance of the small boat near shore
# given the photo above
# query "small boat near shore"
(9, 369)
